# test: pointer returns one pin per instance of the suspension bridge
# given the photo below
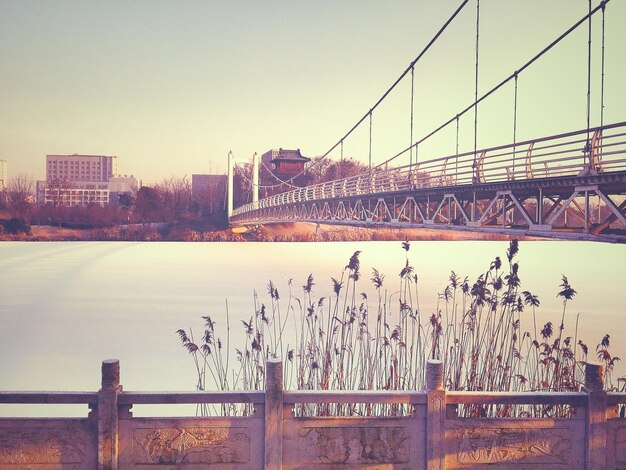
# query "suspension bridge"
(571, 185)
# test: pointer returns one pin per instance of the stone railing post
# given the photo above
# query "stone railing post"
(108, 415)
(435, 415)
(596, 416)
(273, 414)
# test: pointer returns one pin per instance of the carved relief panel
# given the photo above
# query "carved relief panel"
(190, 445)
(67, 446)
(353, 445)
(490, 445)
(620, 447)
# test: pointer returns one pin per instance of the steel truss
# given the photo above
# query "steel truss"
(584, 207)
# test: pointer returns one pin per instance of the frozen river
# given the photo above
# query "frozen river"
(67, 306)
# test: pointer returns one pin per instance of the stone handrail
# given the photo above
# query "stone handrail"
(517, 398)
(433, 434)
(169, 398)
(71, 398)
(351, 396)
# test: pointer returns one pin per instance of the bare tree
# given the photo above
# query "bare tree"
(21, 195)
(58, 190)
(146, 205)
(210, 199)
(175, 197)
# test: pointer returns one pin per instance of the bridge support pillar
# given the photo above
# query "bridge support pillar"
(596, 417)
(108, 431)
(229, 210)
(274, 414)
(255, 181)
(435, 415)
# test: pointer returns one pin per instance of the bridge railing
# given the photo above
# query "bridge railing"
(587, 151)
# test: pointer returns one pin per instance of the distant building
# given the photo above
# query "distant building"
(63, 193)
(3, 175)
(209, 191)
(80, 167)
(119, 185)
(73, 180)
(285, 163)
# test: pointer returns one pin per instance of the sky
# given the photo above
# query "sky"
(171, 87)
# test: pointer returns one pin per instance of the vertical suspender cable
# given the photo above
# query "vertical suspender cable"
(514, 124)
(411, 139)
(341, 163)
(476, 81)
(370, 149)
(456, 166)
(589, 75)
(602, 82)
(416, 165)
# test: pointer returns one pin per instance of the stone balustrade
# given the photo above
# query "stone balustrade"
(435, 431)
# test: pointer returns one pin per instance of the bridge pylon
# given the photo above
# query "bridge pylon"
(255, 180)
(229, 207)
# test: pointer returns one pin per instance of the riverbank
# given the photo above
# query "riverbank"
(287, 232)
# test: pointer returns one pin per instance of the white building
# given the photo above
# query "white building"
(74, 195)
(82, 180)
(121, 185)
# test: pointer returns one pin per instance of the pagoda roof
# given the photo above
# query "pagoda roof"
(286, 155)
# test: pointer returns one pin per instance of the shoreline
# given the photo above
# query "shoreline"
(282, 232)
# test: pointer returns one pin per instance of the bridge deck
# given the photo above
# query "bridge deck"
(572, 182)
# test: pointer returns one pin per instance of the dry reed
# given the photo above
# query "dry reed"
(343, 344)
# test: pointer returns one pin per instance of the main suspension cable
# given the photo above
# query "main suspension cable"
(380, 100)
(411, 65)
(502, 83)
(281, 182)
(264, 186)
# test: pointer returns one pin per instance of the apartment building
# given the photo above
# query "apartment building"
(210, 190)
(83, 179)
(80, 168)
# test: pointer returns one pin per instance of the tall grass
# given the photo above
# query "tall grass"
(485, 332)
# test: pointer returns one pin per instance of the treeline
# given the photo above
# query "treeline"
(169, 201)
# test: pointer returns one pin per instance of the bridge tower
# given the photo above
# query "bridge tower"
(255, 181)
(229, 207)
